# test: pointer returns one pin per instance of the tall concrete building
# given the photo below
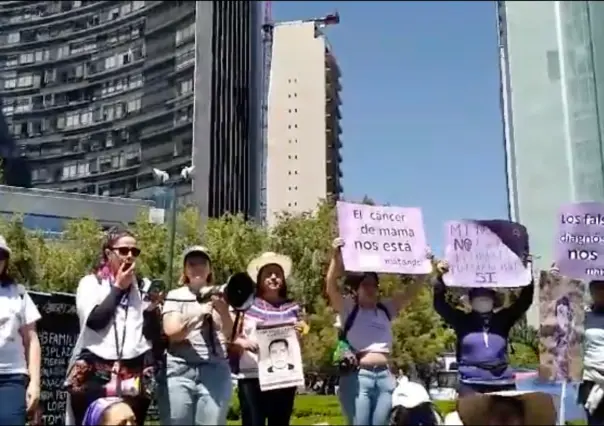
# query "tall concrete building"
(303, 152)
(97, 93)
(552, 69)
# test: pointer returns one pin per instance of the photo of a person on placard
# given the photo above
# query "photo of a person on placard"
(279, 355)
(564, 327)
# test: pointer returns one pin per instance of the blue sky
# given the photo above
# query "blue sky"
(421, 119)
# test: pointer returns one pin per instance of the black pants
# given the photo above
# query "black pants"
(257, 407)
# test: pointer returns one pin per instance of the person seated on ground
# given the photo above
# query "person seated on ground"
(109, 411)
(506, 408)
(411, 405)
(482, 334)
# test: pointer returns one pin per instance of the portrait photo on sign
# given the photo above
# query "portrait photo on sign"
(562, 317)
(279, 357)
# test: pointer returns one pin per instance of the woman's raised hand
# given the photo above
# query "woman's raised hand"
(442, 267)
(337, 243)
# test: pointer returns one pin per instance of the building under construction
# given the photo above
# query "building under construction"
(302, 158)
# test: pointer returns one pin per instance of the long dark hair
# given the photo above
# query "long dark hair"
(6, 278)
(282, 291)
(111, 237)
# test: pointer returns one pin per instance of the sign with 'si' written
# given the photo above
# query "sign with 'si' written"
(486, 253)
(383, 239)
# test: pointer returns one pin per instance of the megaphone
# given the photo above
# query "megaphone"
(238, 291)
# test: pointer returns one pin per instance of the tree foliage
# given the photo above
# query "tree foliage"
(56, 265)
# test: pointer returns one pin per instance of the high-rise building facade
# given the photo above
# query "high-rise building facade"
(552, 68)
(303, 161)
(97, 93)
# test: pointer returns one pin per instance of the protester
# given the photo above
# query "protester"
(198, 373)
(110, 411)
(412, 406)
(113, 356)
(271, 306)
(506, 408)
(591, 390)
(365, 344)
(482, 335)
(20, 352)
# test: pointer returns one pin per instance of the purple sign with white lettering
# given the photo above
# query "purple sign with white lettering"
(579, 250)
(383, 239)
(486, 253)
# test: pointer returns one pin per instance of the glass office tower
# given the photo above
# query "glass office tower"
(552, 73)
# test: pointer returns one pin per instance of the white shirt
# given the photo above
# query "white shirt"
(102, 343)
(248, 363)
(16, 310)
(593, 341)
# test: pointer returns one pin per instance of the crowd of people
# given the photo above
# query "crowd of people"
(135, 344)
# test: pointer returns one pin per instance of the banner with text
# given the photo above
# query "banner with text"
(486, 253)
(562, 319)
(383, 239)
(580, 244)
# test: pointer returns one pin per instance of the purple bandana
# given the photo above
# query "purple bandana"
(95, 411)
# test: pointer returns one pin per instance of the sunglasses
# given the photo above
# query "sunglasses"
(125, 251)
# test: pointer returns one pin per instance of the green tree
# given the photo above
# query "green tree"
(58, 264)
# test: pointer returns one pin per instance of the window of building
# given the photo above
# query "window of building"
(134, 105)
(136, 5)
(11, 61)
(25, 80)
(10, 83)
(126, 8)
(185, 56)
(110, 62)
(26, 58)
(14, 37)
(136, 81)
(185, 34)
(186, 86)
(113, 14)
(63, 52)
(75, 4)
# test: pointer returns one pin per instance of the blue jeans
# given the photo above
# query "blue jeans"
(199, 394)
(366, 396)
(12, 394)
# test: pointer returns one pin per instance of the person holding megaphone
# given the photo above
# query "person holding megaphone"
(198, 373)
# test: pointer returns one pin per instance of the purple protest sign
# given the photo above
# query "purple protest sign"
(486, 253)
(579, 247)
(389, 240)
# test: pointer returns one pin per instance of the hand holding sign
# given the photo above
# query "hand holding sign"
(486, 254)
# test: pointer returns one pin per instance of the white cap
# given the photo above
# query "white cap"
(409, 394)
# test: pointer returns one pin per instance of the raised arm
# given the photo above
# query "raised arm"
(335, 271)
(448, 313)
(517, 309)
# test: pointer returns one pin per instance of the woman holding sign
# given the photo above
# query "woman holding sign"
(482, 335)
(271, 306)
(365, 341)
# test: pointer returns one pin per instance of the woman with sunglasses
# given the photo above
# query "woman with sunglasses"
(19, 348)
(118, 323)
(367, 384)
(198, 374)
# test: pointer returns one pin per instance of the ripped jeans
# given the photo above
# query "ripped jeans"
(366, 395)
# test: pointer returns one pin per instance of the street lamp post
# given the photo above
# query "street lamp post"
(164, 179)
